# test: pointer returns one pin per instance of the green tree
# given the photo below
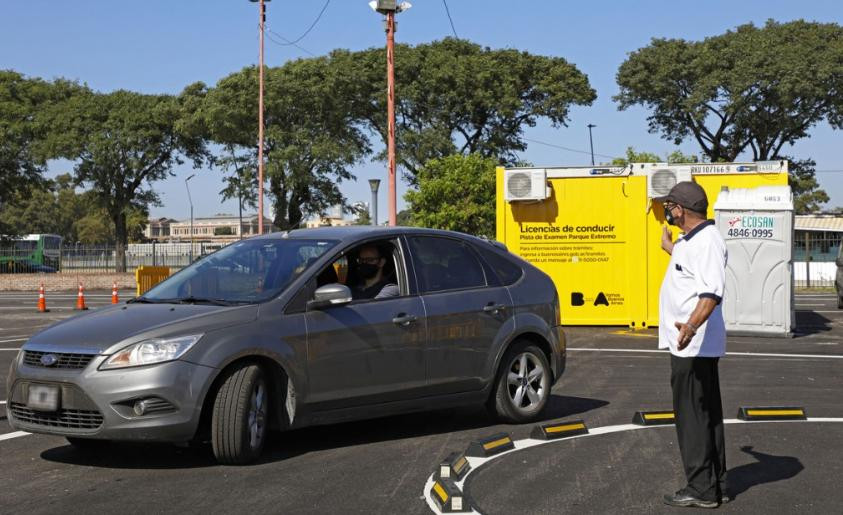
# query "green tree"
(24, 127)
(122, 143)
(751, 88)
(648, 157)
(456, 193)
(312, 135)
(807, 196)
(454, 96)
(363, 218)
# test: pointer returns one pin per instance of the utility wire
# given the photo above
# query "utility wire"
(568, 149)
(286, 42)
(318, 17)
(448, 12)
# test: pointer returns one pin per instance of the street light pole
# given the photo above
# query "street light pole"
(191, 214)
(390, 112)
(374, 184)
(591, 142)
(389, 8)
(260, 115)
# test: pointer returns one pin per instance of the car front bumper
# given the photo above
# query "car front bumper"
(99, 403)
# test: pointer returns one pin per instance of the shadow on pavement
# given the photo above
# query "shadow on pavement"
(768, 469)
(298, 442)
(811, 322)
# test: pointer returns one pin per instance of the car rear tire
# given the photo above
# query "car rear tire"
(239, 420)
(522, 386)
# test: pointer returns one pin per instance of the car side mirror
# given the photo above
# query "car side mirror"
(330, 295)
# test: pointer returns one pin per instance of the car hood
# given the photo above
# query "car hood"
(106, 330)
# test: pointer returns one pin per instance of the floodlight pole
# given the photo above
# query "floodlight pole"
(591, 142)
(262, 23)
(390, 102)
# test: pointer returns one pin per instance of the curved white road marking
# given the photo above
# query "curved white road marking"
(761, 354)
(530, 442)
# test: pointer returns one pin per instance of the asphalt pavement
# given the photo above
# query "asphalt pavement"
(382, 466)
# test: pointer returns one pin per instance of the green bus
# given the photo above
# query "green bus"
(31, 253)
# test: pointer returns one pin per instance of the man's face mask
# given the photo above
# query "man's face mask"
(367, 270)
(668, 215)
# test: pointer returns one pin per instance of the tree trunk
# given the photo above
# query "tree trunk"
(121, 234)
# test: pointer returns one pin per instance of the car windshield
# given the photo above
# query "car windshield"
(244, 272)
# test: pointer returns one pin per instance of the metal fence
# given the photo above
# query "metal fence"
(103, 258)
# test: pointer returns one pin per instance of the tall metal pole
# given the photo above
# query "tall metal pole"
(591, 142)
(189, 199)
(260, 121)
(390, 101)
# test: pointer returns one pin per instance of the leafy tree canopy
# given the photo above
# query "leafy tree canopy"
(808, 197)
(751, 88)
(648, 157)
(456, 193)
(23, 130)
(312, 135)
(454, 96)
(123, 142)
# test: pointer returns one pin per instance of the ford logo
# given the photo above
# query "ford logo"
(49, 360)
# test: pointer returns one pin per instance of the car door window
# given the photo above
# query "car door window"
(444, 264)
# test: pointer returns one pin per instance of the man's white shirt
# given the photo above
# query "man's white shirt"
(697, 269)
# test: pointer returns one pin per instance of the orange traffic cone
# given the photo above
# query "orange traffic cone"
(42, 301)
(114, 298)
(80, 299)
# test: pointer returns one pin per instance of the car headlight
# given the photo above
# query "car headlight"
(147, 352)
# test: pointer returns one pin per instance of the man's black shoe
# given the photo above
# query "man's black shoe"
(688, 501)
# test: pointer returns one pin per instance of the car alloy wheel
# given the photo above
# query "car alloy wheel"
(526, 382)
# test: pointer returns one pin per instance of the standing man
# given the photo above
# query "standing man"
(691, 325)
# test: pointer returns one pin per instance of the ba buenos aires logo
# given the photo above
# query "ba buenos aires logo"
(735, 222)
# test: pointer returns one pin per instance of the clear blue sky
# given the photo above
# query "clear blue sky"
(159, 46)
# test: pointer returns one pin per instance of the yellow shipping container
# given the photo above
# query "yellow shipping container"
(595, 232)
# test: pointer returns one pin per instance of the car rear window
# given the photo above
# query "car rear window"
(444, 264)
(507, 271)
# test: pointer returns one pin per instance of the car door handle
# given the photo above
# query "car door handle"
(493, 308)
(404, 319)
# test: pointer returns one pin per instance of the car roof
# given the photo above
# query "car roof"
(355, 232)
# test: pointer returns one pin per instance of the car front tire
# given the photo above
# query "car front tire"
(523, 384)
(240, 417)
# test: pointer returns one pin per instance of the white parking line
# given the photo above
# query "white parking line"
(529, 442)
(16, 434)
(14, 340)
(761, 354)
(2, 402)
(11, 349)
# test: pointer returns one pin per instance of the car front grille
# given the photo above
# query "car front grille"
(66, 418)
(66, 360)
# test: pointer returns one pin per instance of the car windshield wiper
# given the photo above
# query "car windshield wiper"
(143, 300)
(202, 300)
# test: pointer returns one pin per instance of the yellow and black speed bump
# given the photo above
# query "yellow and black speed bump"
(559, 430)
(653, 418)
(455, 466)
(448, 496)
(490, 446)
(772, 413)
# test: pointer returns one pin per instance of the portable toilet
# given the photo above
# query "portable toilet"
(757, 225)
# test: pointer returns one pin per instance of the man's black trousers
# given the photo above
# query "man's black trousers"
(699, 424)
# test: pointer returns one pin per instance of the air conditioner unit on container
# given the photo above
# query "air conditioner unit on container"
(525, 185)
(661, 180)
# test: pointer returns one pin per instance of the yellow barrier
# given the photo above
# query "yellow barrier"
(149, 276)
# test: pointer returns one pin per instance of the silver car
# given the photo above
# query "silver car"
(295, 329)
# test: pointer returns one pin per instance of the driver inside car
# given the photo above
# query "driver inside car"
(372, 283)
